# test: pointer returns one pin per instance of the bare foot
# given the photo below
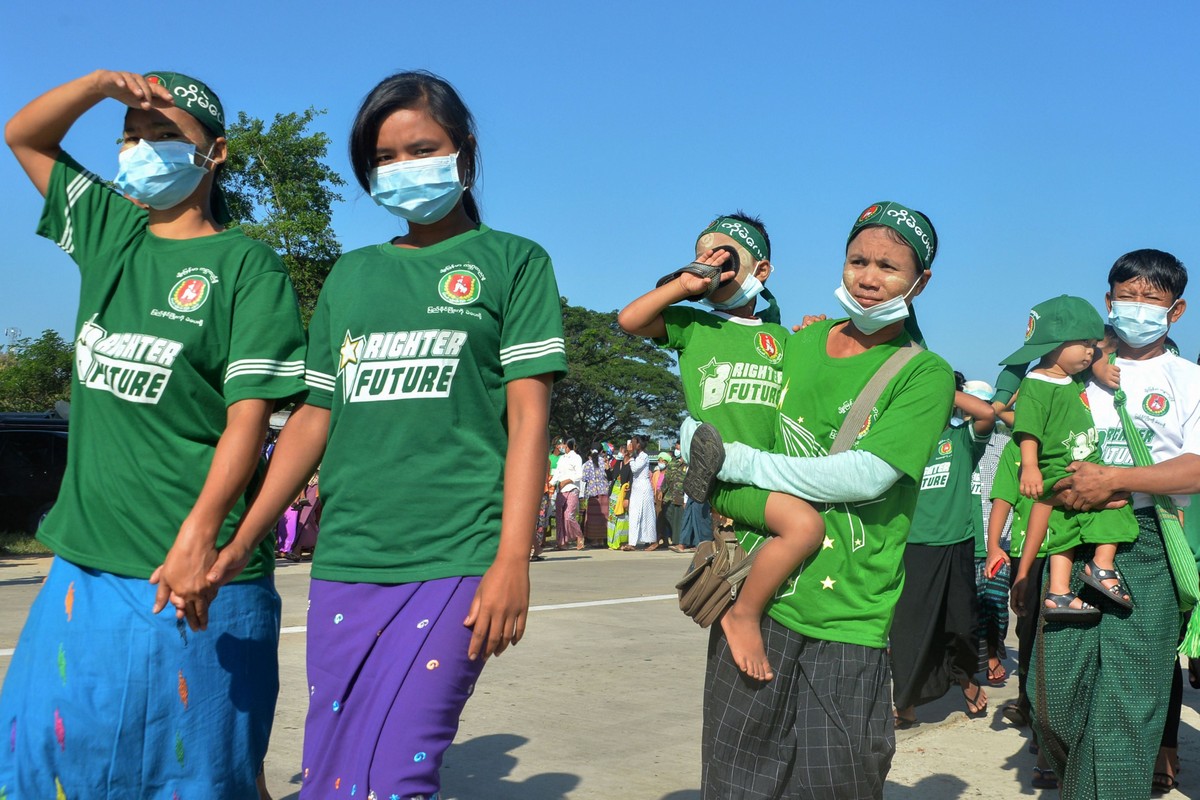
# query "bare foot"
(744, 634)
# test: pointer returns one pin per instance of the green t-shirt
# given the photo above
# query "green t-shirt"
(1006, 487)
(945, 505)
(170, 333)
(731, 369)
(1056, 413)
(412, 350)
(847, 590)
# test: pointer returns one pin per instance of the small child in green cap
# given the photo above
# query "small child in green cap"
(1054, 428)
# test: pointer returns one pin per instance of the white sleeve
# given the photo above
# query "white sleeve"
(852, 476)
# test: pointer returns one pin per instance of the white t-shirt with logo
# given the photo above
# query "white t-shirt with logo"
(1163, 399)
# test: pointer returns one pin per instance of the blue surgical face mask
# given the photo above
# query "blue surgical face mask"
(1139, 324)
(422, 190)
(751, 288)
(878, 316)
(160, 174)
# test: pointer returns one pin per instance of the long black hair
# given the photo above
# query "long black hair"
(411, 90)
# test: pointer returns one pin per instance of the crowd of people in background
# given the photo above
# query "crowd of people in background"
(618, 497)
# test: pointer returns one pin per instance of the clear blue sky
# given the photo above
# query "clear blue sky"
(1043, 139)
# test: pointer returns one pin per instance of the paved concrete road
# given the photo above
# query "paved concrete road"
(602, 698)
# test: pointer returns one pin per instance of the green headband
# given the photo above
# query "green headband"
(913, 226)
(744, 233)
(193, 97)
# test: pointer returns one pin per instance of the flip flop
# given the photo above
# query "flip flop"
(1094, 577)
(706, 457)
(996, 675)
(904, 723)
(973, 699)
(1063, 611)
(712, 273)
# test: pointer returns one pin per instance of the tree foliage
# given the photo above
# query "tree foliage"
(618, 384)
(35, 373)
(279, 188)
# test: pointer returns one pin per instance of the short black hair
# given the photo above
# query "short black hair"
(1158, 268)
(570, 443)
(742, 216)
(960, 381)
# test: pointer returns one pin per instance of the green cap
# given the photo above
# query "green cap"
(193, 97)
(1061, 319)
(913, 226)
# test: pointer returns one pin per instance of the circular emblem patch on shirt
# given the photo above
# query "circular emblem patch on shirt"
(1155, 404)
(767, 347)
(1029, 329)
(1083, 399)
(189, 294)
(866, 426)
(868, 213)
(945, 447)
(459, 288)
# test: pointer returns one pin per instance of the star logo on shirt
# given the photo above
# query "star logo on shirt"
(827, 544)
(351, 350)
(710, 370)
(828, 582)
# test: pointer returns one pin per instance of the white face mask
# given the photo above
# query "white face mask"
(421, 190)
(878, 316)
(750, 289)
(160, 174)
(1139, 324)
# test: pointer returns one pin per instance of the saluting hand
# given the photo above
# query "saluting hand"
(134, 90)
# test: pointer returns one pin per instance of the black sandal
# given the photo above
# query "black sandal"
(973, 700)
(1044, 779)
(1063, 611)
(1095, 577)
(704, 462)
(712, 273)
(1161, 783)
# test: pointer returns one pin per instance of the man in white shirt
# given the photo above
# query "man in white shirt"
(1103, 689)
(567, 475)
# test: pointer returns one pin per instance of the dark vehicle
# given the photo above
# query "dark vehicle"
(33, 457)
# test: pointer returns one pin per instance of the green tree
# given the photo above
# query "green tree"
(280, 189)
(35, 373)
(617, 385)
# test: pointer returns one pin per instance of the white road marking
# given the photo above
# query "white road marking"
(5, 653)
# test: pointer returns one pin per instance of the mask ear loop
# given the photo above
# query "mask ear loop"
(207, 157)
